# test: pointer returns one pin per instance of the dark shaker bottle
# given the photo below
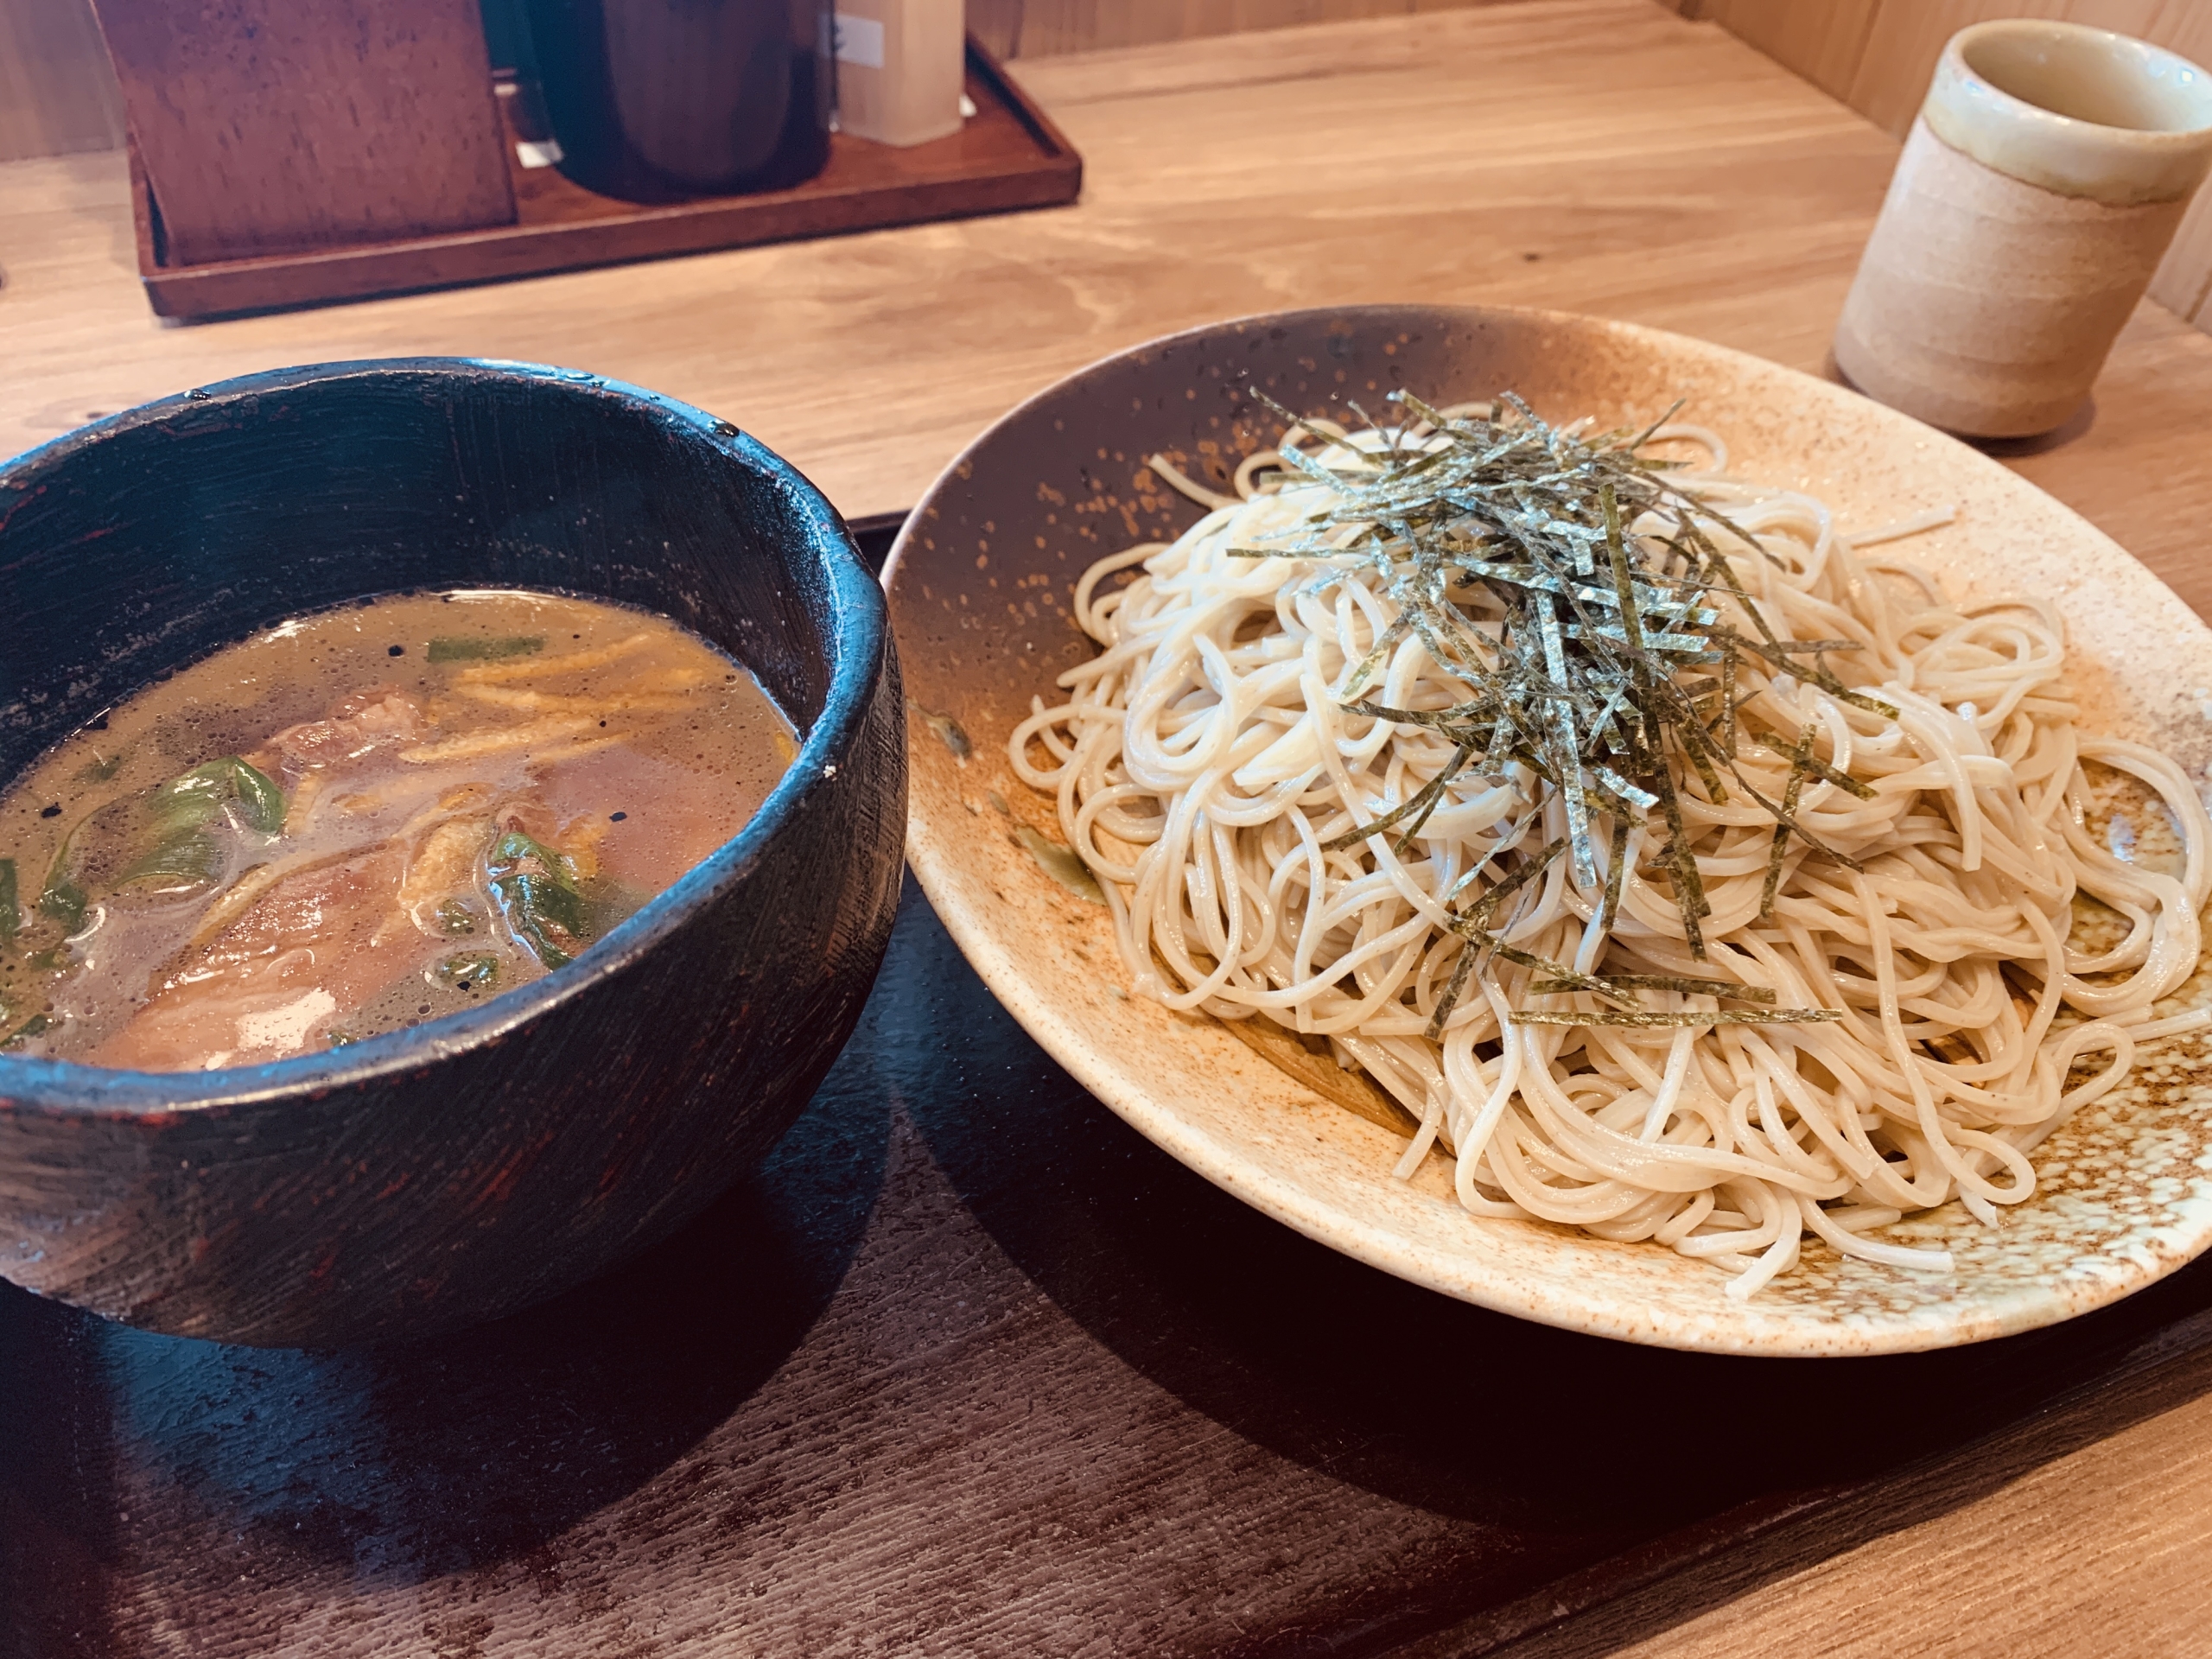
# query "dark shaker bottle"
(660, 100)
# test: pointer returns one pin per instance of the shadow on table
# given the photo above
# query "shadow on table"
(1549, 1453)
(1404, 1392)
(429, 1458)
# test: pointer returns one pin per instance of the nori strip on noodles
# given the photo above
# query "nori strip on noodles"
(1683, 983)
(1818, 767)
(1580, 683)
(1780, 846)
(1471, 927)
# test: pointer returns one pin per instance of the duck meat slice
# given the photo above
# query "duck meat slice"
(317, 945)
(357, 726)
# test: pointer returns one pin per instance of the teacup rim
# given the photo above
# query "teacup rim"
(2120, 166)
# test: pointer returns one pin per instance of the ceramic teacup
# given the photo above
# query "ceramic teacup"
(2044, 179)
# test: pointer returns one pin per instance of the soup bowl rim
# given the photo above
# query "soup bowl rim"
(856, 644)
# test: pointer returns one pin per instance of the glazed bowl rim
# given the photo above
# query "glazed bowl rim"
(856, 642)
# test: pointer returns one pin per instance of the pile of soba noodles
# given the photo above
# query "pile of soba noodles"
(1687, 872)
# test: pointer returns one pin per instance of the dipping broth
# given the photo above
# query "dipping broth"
(362, 820)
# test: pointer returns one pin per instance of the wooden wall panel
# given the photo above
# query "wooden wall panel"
(2183, 283)
(997, 24)
(1822, 42)
(57, 94)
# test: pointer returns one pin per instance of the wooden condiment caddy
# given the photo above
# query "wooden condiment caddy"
(293, 152)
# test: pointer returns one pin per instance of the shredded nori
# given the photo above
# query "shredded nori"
(1586, 679)
(1683, 983)
(1800, 760)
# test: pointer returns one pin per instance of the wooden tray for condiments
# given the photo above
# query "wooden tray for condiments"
(1009, 154)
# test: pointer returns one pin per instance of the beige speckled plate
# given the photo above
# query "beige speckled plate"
(979, 585)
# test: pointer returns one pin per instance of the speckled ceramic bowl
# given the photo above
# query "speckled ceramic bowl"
(980, 584)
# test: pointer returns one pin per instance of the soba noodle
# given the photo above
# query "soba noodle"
(1204, 759)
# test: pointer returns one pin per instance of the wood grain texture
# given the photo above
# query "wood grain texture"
(2099, 1555)
(648, 1472)
(58, 95)
(1878, 54)
(1946, 1559)
(997, 24)
(270, 126)
(1573, 198)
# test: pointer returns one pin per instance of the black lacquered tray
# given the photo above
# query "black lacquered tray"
(971, 1368)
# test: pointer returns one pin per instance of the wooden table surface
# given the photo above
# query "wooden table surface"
(1600, 156)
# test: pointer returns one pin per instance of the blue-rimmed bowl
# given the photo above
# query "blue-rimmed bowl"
(484, 1162)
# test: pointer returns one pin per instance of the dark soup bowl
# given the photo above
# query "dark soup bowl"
(444, 1174)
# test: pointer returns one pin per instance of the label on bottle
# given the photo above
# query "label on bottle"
(860, 41)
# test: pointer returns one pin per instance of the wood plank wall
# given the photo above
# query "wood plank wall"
(1877, 55)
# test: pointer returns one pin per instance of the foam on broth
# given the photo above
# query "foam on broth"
(362, 820)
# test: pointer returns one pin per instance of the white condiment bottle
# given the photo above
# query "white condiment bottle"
(899, 66)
